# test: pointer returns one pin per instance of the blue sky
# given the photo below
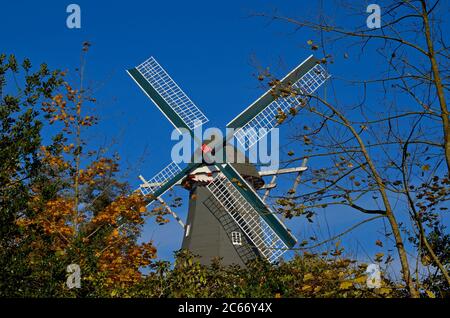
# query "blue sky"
(211, 49)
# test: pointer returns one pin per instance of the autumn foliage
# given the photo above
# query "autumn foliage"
(74, 209)
(62, 201)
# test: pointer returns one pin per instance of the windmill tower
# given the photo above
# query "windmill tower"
(226, 218)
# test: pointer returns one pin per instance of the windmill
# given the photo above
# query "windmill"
(226, 217)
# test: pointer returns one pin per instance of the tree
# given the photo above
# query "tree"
(71, 208)
(20, 139)
(371, 160)
(307, 275)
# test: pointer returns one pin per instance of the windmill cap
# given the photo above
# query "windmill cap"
(238, 160)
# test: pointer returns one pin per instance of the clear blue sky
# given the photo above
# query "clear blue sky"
(210, 48)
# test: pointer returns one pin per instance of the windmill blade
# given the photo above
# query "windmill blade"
(167, 95)
(255, 219)
(305, 79)
(164, 180)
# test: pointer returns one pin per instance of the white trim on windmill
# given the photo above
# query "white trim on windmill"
(175, 216)
(264, 173)
(269, 187)
(160, 199)
(298, 177)
(160, 179)
(274, 173)
(188, 230)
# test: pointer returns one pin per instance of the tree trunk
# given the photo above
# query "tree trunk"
(438, 84)
(389, 212)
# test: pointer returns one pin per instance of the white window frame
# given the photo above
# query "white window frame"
(236, 238)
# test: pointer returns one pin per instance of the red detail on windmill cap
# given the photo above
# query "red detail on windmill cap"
(206, 148)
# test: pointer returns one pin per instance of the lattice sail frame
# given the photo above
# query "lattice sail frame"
(268, 243)
(249, 134)
(172, 94)
(160, 179)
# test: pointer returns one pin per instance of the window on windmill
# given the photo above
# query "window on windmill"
(236, 238)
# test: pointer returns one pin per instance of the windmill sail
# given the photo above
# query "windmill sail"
(167, 95)
(305, 79)
(254, 218)
(164, 180)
